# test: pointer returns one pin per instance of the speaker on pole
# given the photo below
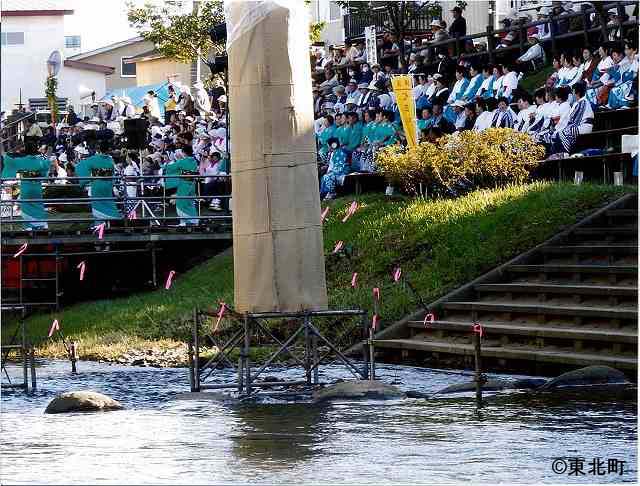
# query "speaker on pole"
(135, 130)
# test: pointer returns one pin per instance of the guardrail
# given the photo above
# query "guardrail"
(14, 129)
(492, 36)
(151, 206)
(354, 24)
(455, 46)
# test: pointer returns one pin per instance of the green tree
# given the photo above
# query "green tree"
(183, 37)
(399, 14)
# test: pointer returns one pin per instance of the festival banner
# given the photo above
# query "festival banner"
(371, 47)
(403, 89)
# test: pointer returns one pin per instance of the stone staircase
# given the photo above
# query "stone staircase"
(568, 303)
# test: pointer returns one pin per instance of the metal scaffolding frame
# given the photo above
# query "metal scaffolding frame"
(24, 348)
(248, 327)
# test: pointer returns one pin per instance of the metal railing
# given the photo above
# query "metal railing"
(354, 24)
(586, 34)
(150, 206)
(14, 129)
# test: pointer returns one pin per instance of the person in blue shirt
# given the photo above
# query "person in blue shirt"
(186, 187)
(28, 166)
(473, 88)
(353, 137)
(100, 165)
(336, 171)
(424, 121)
(328, 132)
(621, 95)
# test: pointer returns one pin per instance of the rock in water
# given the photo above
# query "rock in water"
(358, 389)
(494, 385)
(82, 401)
(489, 385)
(590, 375)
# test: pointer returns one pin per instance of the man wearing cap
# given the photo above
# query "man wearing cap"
(533, 55)
(340, 94)
(377, 74)
(363, 96)
(460, 116)
(458, 27)
(352, 88)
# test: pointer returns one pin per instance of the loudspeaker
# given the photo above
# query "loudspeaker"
(135, 130)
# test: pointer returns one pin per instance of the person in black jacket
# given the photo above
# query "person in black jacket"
(458, 27)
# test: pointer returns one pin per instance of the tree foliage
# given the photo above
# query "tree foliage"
(177, 35)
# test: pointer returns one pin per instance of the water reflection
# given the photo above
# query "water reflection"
(160, 439)
(277, 435)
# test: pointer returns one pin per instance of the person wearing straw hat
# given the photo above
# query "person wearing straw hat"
(439, 34)
(100, 166)
(28, 166)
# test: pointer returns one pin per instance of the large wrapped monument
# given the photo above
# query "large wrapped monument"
(277, 233)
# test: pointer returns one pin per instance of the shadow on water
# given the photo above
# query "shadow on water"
(277, 433)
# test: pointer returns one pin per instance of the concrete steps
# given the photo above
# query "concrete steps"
(569, 302)
(555, 356)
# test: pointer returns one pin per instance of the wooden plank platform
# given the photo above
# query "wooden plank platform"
(541, 309)
(524, 353)
(551, 331)
(558, 289)
(587, 249)
(605, 269)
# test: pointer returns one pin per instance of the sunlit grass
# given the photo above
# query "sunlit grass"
(439, 246)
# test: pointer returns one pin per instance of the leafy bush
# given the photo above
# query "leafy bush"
(461, 162)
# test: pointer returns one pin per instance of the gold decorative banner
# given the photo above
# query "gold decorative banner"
(403, 89)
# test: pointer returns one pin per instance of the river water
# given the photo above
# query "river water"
(161, 440)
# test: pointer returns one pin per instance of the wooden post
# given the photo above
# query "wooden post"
(73, 355)
(372, 351)
(365, 347)
(24, 356)
(196, 346)
(478, 373)
(192, 384)
(523, 37)
(316, 370)
(554, 44)
(154, 275)
(33, 368)
(585, 30)
(490, 43)
(247, 347)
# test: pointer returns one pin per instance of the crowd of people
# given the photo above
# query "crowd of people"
(186, 133)
(189, 140)
(356, 110)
